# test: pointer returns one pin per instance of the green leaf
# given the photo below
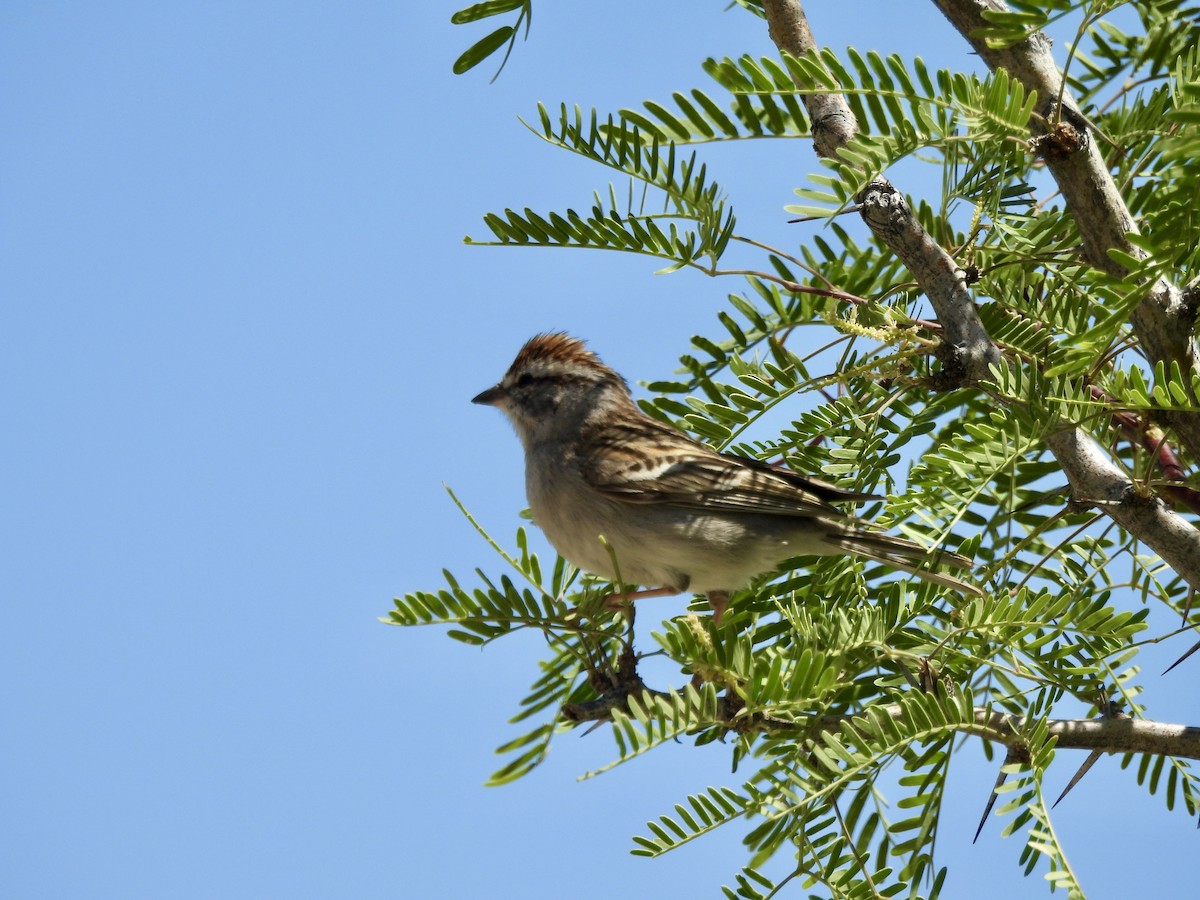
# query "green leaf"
(483, 10)
(483, 48)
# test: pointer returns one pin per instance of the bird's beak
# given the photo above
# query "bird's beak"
(493, 396)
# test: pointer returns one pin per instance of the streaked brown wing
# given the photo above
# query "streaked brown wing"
(689, 474)
(823, 489)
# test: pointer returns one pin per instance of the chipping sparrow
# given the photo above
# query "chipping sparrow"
(678, 515)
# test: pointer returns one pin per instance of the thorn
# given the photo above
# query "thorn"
(1109, 709)
(846, 211)
(1014, 755)
(1195, 647)
(1078, 776)
(928, 675)
(988, 809)
(908, 675)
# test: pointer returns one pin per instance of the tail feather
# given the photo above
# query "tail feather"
(907, 557)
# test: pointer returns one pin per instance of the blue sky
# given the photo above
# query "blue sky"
(240, 333)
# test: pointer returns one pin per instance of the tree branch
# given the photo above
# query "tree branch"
(1107, 735)
(966, 351)
(832, 121)
(1095, 480)
(1163, 320)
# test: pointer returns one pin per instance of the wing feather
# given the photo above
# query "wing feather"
(685, 473)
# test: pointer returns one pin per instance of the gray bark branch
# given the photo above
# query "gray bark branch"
(1104, 221)
(967, 351)
(1095, 480)
(1163, 320)
(1107, 735)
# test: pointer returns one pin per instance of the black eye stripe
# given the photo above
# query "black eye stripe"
(552, 378)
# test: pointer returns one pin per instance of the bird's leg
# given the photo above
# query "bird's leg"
(719, 601)
(624, 601)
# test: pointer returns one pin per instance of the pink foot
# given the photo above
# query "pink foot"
(620, 601)
(719, 601)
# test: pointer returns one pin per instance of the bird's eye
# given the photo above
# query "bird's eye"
(525, 380)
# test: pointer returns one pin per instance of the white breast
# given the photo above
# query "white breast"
(660, 545)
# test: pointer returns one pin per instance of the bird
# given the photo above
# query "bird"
(606, 482)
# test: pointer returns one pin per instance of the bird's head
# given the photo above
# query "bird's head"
(553, 386)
